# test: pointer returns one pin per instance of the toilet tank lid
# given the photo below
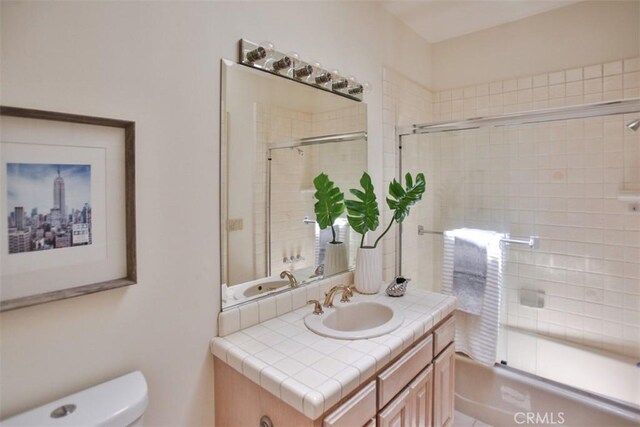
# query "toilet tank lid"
(115, 403)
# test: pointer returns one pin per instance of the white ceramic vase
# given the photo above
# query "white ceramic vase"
(335, 258)
(368, 274)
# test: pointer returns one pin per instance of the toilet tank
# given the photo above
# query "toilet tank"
(117, 403)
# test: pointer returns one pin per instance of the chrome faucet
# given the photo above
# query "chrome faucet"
(293, 282)
(347, 292)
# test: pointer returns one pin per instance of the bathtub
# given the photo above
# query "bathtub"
(501, 396)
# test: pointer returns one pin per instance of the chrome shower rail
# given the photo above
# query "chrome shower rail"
(324, 139)
(533, 241)
(527, 117)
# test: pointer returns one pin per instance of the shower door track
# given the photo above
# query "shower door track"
(526, 117)
(583, 111)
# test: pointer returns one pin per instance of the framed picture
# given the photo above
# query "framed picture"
(67, 203)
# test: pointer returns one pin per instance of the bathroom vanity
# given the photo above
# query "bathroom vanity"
(282, 370)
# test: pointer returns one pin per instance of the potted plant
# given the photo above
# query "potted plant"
(363, 215)
(328, 207)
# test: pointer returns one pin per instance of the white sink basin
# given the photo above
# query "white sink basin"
(355, 320)
(264, 287)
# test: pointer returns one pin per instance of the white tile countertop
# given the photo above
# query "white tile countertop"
(312, 373)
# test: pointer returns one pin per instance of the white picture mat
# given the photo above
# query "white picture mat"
(44, 141)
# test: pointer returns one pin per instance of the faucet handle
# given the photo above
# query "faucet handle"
(346, 294)
(317, 309)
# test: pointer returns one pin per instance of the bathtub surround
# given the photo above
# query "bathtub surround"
(512, 395)
(587, 264)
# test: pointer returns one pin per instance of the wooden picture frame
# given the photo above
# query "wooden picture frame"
(127, 221)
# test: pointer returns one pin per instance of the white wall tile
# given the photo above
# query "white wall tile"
(588, 260)
(612, 68)
(228, 322)
(592, 71)
(249, 315)
(540, 80)
(574, 75)
(267, 309)
(556, 78)
(632, 64)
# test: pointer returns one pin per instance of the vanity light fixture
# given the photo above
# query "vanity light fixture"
(264, 57)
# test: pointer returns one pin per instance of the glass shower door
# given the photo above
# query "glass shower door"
(570, 308)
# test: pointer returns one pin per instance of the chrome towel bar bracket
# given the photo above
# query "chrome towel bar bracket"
(532, 241)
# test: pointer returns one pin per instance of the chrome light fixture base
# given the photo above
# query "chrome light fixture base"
(267, 59)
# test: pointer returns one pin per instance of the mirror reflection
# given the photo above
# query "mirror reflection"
(277, 136)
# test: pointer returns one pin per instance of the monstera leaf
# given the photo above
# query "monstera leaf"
(401, 199)
(330, 203)
(363, 213)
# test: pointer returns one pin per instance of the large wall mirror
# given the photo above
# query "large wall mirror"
(277, 135)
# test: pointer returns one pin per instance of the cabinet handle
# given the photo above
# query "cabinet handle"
(265, 421)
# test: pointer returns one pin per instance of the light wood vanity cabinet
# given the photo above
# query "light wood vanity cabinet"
(444, 387)
(398, 413)
(415, 390)
(422, 398)
(357, 411)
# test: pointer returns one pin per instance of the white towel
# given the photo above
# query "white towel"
(477, 336)
(470, 270)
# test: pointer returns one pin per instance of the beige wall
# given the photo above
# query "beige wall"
(573, 36)
(158, 64)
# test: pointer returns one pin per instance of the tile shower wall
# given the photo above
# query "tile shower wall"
(559, 180)
(404, 102)
(290, 204)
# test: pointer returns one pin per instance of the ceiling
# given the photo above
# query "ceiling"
(439, 20)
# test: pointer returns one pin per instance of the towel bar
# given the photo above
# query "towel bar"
(533, 241)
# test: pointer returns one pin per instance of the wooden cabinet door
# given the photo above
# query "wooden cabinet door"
(444, 387)
(356, 411)
(398, 412)
(421, 389)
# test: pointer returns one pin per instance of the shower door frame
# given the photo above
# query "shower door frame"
(582, 111)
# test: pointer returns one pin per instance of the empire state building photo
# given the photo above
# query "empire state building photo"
(35, 220)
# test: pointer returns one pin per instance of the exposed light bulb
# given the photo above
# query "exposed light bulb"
(320, 76)
(268, 47)
(281, 64)
(263, 51)
(366, 87)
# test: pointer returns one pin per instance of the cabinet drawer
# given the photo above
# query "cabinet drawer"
(356, 411)
(443, 335)
(398, 375)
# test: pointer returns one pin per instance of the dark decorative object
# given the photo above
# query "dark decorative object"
(398, 287)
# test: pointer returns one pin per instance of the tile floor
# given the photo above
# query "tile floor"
(464, 420)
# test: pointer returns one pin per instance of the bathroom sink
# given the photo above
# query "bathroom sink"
(264, 287)
(355, 320)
